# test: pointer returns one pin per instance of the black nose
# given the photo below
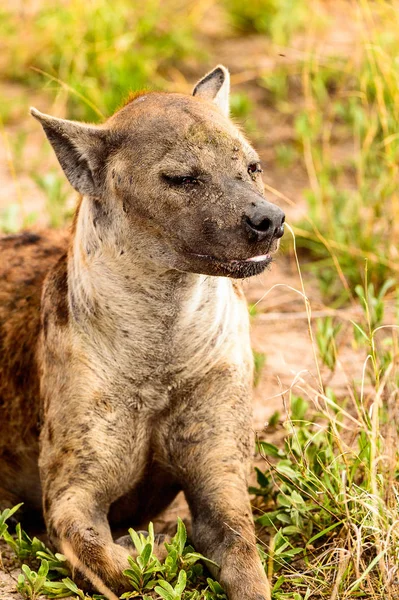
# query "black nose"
(264, 220)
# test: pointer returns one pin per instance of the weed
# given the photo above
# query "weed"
(30, 583)
(324, 497)
(353, 103)
(4, 516)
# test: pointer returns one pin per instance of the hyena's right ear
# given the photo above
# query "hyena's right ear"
(81, 151)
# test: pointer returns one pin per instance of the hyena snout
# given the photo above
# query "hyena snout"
(263, 220)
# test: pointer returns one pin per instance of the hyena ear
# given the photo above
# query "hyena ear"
(81, 151)
(215, 87)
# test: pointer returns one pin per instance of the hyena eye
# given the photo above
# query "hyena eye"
(254, 168)
(180, 179)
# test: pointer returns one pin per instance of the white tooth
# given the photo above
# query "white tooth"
(258, 258)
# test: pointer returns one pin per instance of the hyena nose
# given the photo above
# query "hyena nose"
(264, 220)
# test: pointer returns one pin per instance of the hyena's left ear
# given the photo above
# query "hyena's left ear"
(81, 150)
(215, 87)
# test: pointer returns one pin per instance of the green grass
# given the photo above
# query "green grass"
(344, 111)
(278, 19)
(97, 52)
(329, 497)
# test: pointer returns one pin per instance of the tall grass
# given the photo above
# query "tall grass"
(97, 51)
(348, 132)
(328, 500)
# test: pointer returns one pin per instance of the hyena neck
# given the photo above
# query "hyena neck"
(105, 272)
(117, 296)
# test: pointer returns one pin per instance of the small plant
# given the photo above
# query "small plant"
(167, 592)
(143, 569)
(4, 516)
(372, 302)
(31, 584)
(323, 490)
(180, 569)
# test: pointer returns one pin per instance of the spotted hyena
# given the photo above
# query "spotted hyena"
(125, 365)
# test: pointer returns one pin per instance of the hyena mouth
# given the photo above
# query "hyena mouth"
(237, 268)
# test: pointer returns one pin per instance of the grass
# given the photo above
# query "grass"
(346, 128)
(95, 53)
(278, 19)
(329, 498)
(326, 501)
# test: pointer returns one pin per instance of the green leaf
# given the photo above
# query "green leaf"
(181, 535)
(192, 557)
(324, 532)
(43, 569)
(291, 530)
(268, 519)
(286, 471)
(279, 583)
(138, 544)
(144, 556)
(71, 585)
(270, 450)
(166, 586)
(165, 590)
(181, 582)
(283, 517)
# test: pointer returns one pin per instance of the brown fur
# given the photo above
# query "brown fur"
(126, 349)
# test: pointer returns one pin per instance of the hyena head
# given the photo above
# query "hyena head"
(176, 180)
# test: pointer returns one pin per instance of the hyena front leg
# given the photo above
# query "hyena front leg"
(81, 476)
(212, 452)
(78, 526)
(223, 526)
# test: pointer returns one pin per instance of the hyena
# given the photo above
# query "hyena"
(125, 366)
